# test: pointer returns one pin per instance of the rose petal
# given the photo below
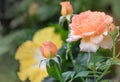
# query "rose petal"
(96, 39)
(88, 46)
(89, 23)
(105, 33)
(66, 8)
(72, 37)
(88, 33)
(106, 43)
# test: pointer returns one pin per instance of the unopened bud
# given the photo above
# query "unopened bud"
(66, 8)
(48, 49)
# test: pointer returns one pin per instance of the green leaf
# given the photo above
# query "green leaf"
(98, 58)
(62, 31)
(105, 64)
(68, 75)
(54, 68)
(105, 81)
(82, 74)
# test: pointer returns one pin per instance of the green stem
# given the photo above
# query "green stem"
(104, 73)
(94, 67)
(70, 80)
(71, 56)
(59, 74)
(114, 49)
(72, 59)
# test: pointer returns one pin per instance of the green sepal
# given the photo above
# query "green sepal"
(114, 33)
(54, 68)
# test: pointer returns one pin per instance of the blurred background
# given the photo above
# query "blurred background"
(20, 19)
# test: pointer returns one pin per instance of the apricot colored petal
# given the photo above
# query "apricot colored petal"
(106, 43)
(105, 33)
(66, 8)
(96, 39)
(88, 46)
(88, 33)
(72, 37)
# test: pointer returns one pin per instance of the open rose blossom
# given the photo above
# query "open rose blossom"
(66, 8)
(92, 28)
(48, 49)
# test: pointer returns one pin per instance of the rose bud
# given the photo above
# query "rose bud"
(48, 49)
(66, 8)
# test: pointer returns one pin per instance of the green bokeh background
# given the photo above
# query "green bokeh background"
(16, 25)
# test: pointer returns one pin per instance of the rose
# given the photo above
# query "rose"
(92, 28)
(66, 8)
(48, 49)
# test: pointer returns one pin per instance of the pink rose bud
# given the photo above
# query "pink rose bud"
(66, 8)
(48, 49)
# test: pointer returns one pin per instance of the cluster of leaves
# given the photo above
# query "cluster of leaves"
(83, 68)
(83, 71)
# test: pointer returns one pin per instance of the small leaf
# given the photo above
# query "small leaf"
(106, 64)
(82, 74)
(67, 75)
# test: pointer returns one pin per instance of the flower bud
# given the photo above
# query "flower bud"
(66, 8)
(48, 49)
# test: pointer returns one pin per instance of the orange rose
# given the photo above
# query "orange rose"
(48, 49)
(92, 28)
(66, 8)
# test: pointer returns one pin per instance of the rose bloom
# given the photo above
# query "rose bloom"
(48, 49)
(92, 28)
(66, 8)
